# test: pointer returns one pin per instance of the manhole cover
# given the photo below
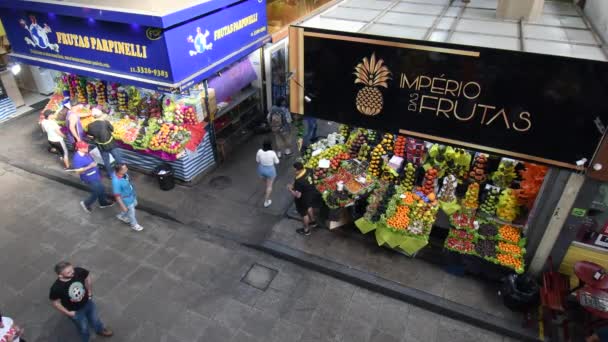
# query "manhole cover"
(220, 182)
(259, 276)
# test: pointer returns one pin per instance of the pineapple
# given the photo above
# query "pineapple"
(373, 74)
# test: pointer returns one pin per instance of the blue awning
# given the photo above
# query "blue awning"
(109, 44)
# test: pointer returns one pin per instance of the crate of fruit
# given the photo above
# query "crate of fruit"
(511, 261)
(487, 231)
(510, 234)
(463, 221)
(486, 249)
(509, 248)
(459, 245)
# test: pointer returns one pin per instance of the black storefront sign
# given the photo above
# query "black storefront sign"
(528, 106)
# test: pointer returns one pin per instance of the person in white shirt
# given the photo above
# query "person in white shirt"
(9, 331)
(55, 136)
(267, 159)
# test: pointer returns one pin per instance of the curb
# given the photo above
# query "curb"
(143, 205)
(392, 289)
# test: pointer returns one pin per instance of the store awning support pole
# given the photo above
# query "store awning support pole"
(554, 228)
(522, 35)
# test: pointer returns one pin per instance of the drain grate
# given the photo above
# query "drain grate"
(259, 276)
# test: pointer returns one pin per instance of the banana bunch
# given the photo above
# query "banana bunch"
(507, 208)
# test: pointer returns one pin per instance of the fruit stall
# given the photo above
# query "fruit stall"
(150, 127)
(410, 187)
(159, 77)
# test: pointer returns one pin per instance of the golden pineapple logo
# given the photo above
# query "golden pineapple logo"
(372, 74)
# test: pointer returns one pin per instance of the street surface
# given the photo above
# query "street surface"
(177, 283)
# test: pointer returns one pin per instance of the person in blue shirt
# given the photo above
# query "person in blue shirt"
(125, 195)
(86, 167)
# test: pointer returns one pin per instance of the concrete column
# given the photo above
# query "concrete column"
(554, 228)
(529, 10)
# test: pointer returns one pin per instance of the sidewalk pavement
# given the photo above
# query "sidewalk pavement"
(232, 188)
(175, 283)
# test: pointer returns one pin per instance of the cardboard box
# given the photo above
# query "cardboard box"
(210, 98)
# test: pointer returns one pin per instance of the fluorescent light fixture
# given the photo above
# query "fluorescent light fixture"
(15, 69)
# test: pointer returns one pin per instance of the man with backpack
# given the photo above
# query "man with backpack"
(279, 119)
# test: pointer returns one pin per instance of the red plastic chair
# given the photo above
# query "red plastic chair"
(553, 294)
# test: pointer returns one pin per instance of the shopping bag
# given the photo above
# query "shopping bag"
(97, 156)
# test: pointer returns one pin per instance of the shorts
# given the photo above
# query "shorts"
(267, 171)
(62, 150)
(304, 203)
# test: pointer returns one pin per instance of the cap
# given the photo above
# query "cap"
(82, 144)
(96, 112)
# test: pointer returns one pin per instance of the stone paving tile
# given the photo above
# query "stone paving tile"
(286, 331)
(259, 325)
(379, 336)
(273, 302)
(234, 314)
(217, 332)
(189, 326)
(421, 326)
(392, 317)
(161, 257)
(354, 330)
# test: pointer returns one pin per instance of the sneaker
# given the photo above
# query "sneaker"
(123, 219)
(84, 207)
(313, 224)
(303, 231)
(267, 203)
(105, 333)
(111, 204)
(137, 228)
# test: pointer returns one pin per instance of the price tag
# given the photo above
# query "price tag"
(317, 152)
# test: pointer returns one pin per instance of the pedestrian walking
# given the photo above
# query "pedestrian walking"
(311, 130)
(125, 195)
(100, 132)
(304, 193)
(267, 159)
(72, 295)
(86, 167)
(9, 331)
(279, 119)
(55, 137)
(75, 130)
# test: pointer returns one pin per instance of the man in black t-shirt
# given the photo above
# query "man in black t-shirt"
(100, 131)
(304, 193)
(72, 295)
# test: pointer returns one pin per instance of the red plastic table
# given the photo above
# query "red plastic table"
(585, 270)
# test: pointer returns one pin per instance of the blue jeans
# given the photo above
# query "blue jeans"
(129, 215)
(105, 155)
(85, 317)
(311, 130)
(97, 193)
